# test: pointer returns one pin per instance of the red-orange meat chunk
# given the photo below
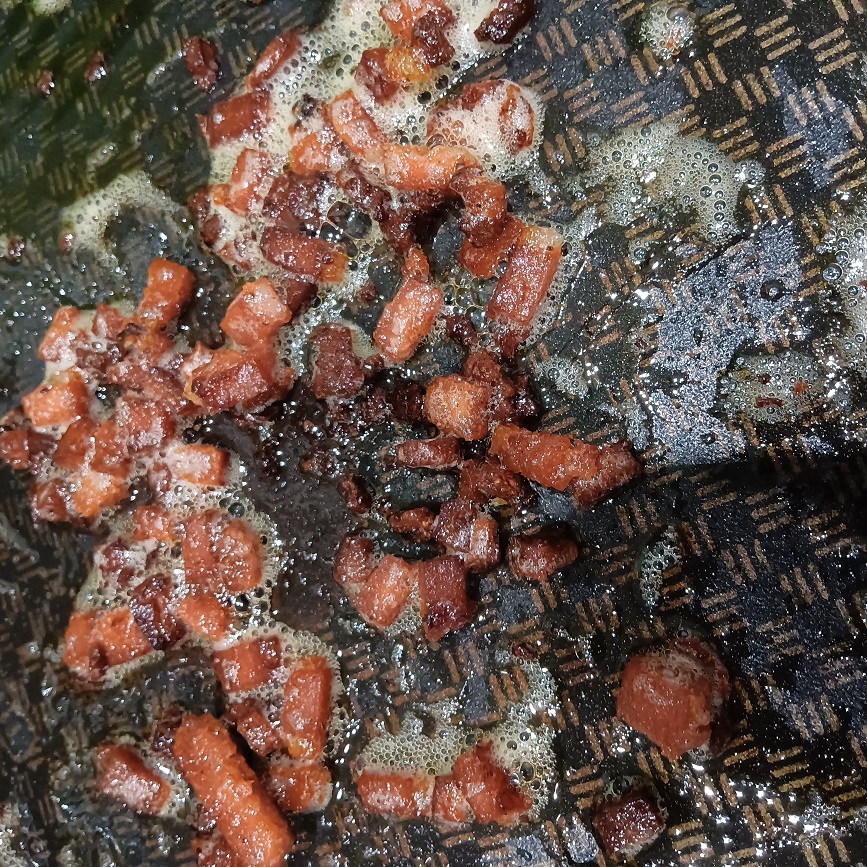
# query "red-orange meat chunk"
(99, 639)
(354, 561)
(59, 402)
(202, 613)
(206, 466)
(417, 523)
(417, 168)
(299, 786)
(49, 501)
(238, 116)
(402, 794)
(224, 554)
(146, 424)
(617, 466)
(153, 522)
(61, 334)
(386, 590)
(24, 449)
(484, 260)
(251, 723)
(245, 816)
(110, 454)
(248, 664)
(629, 823)
(372, 73)
(93, 492)
(484, 480)
(470, 533)
(123, 774)
(450, 805)
(151, 605)
(200, 57)
(407, 319)
(443, 590)
(250, 181)
(540, 555)
(488, 789)
(337, 370)
(167, 292)
(256, 314)
(310, 259)
(440, 453)
(506, 21)
(279, 52)
(485, 210)
(307, 702)
(459, 407)
(354, 126)
(674, 695)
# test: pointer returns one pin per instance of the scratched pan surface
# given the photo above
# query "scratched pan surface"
(749, 527)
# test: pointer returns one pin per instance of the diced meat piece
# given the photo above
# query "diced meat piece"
(413, 167)
(252, 724)
(481, 366)
(617, 467)
(144, 378)
(108, 322)
(116, 563)
(549, 459)
(75, 444)
(310, 259)
(248, 664)
(250, 181)
(119, 638)
(429, 36)
(221, 553)
(299, 786)
(485, 208)
(256, 314)
(440, 453)
(402, 794)
(167, 292)
(484, 480)
(307, 703)
(110, 453)
(444, 604)
(245, 816)
(529, 274)
(201, 59)
(460, 328)
(354, 560)
(373, 74)
(202, 613)
(153, 522)
(629, 823)
(674, 695)
(337, 370)
(459, 407)
(540, 555)
(484, 261)
(59, 402)
(488, 789)
(316, 152)
(406, 64)
(407, 401)
(401, 16)
(407, 319)
(205, 466)
(296, 202)
(150, 603)
(238, 116)
(147, 424)
(279, 52)
(353, 489)
(450, 806)
(49, 501)
(233, 379)
(506, 21)
(58, 340)
(470, 533)
(417, 523)
(384, 594)
(354, 126)
(416, 265)
(94, 492)
(23, 449)
(123, 774)
(81, 654)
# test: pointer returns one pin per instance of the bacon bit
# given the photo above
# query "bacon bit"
(115, 561)
(307, 702)
(205, 466)
(484, 480)
(441, 453)
(310, 259)
(417, 523)
(406, 64)
(617, 467)
(401, 16)
(245, 816)
(81, 655)
(800, 388)
(354, 561)
(249, 181)
(45, 82)
(119, 638)
(337, 369)
(110, 454)
(61, 334)
(630, 823)
(146, 423)
(201, 612)
(295, 202)
(316, 152)
(167, 292)
(402, 794)
(540, 555)
(429, 39)
(49, 501)
(483, 262)
(248, 664)
(59, 402)
(153, 522)
(762, 402)
(354, 126)
(507, 20)
(256, 314)
(24, 449)
(407, 401)
(252, 724)
(279, 52)
(444, 603)
(123, 774)
(96, 68)
(449, 806)
(220, 553)
(407, 319)
(74, 444)
(529, 274)
(459, 407)
(487, 788)
(299, 786)
(469, 533)
(413, 167)
(200, 55)
(485, 208)
(354, 490)
(460, 328)
(385, 591)
(373, 74)
(150, 603)
(235, 118)
(92, 492)
(108, 322)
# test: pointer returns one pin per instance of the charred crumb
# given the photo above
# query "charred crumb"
(45, 82)
(96, 68)
(200, 56)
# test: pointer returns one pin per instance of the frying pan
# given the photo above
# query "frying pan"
(748, 528)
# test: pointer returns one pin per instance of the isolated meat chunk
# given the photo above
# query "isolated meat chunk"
(167, 292)
(506, 21)
(629, 823)
(235, 118)
(417, 168)
(402, 794)
(484, 480)
(470, 533)
(299, 786)
(310, 259)
(407, 319)
(250, 181)
(401, 16)
(417, 523)
(484, 261)
(485, 209)
(386, 590)
(256, 314)
(450, 805)
(487, 788)
(248, 664)
(123, 774)
(151, 605)
(440, 453)
(539, 555)
(373, 74)
(354, 126)
(674, 695)
(81, 654)
(444, 603)
(153, 522)
(245, 816)
(200, 55)
(279, 52)
(337, 370)
(617, 466)
(118, 637)
(307, 703)
(252, 724)
(354, 560)
(59, 402)
(196, 464)
(459, 407)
